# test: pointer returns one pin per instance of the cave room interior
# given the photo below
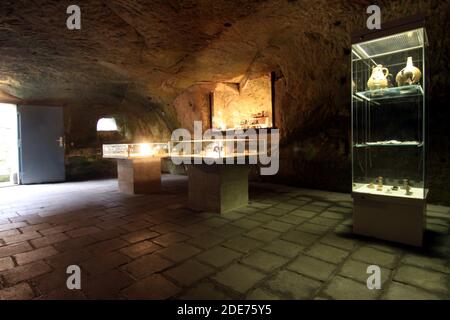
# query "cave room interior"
(224, 149)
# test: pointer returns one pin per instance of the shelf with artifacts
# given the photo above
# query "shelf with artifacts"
(391, 93)
(135, 150)
(214, 148)
(389, 143)
(408, 192)
(260, 120)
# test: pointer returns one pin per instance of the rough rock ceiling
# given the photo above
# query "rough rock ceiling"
(154, 49)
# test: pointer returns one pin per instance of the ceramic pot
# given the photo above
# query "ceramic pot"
(378, 79)
(408, 75)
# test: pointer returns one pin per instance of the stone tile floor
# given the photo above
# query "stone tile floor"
(288, 243)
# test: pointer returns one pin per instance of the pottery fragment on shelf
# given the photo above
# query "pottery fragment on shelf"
(408, 190)
(380, 184)
(409, 75)
(405, 184)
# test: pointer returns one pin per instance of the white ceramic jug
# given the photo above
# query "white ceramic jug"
(378, 79)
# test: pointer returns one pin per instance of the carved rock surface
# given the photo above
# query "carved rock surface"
(151, 64)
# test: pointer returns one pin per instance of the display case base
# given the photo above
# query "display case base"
(218, 188)
(139, 176)
(389, 218)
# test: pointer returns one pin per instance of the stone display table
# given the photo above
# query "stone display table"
(139, 175)
(138, 165)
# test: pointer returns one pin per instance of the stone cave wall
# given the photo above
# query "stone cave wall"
(308, 47)
(312, 107)
(233, 104)
(137, 121)
(315, 151)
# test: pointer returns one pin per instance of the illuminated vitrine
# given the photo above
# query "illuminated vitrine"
(389, 133)
(215, 148)
(135, 150)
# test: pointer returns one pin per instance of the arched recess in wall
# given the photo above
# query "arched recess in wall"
(109, 130)
(245, 105)
(107, 125)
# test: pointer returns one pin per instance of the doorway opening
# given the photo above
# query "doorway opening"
(9, 150)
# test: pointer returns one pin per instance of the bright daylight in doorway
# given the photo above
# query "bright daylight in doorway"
(8, 145)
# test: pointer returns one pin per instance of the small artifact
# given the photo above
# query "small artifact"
(390, 80)
(378, 79)
(380, 184)
(408, 75)
(408, 190)
(405, 184)
(394, 188)
(370, 186)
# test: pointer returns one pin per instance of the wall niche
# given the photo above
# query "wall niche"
(244, 105)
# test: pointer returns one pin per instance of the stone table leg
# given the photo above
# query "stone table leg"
(139, 176)
(218, 188)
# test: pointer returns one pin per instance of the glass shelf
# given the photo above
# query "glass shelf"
(391, 143)
(415, 193)
(391, 93)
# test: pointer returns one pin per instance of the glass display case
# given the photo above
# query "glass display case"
(135, 150)
(214, 148)
(389, 125)
(218, 169)
(388, 108)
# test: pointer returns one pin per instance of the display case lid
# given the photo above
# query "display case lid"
(389, 28)
(399, 42)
